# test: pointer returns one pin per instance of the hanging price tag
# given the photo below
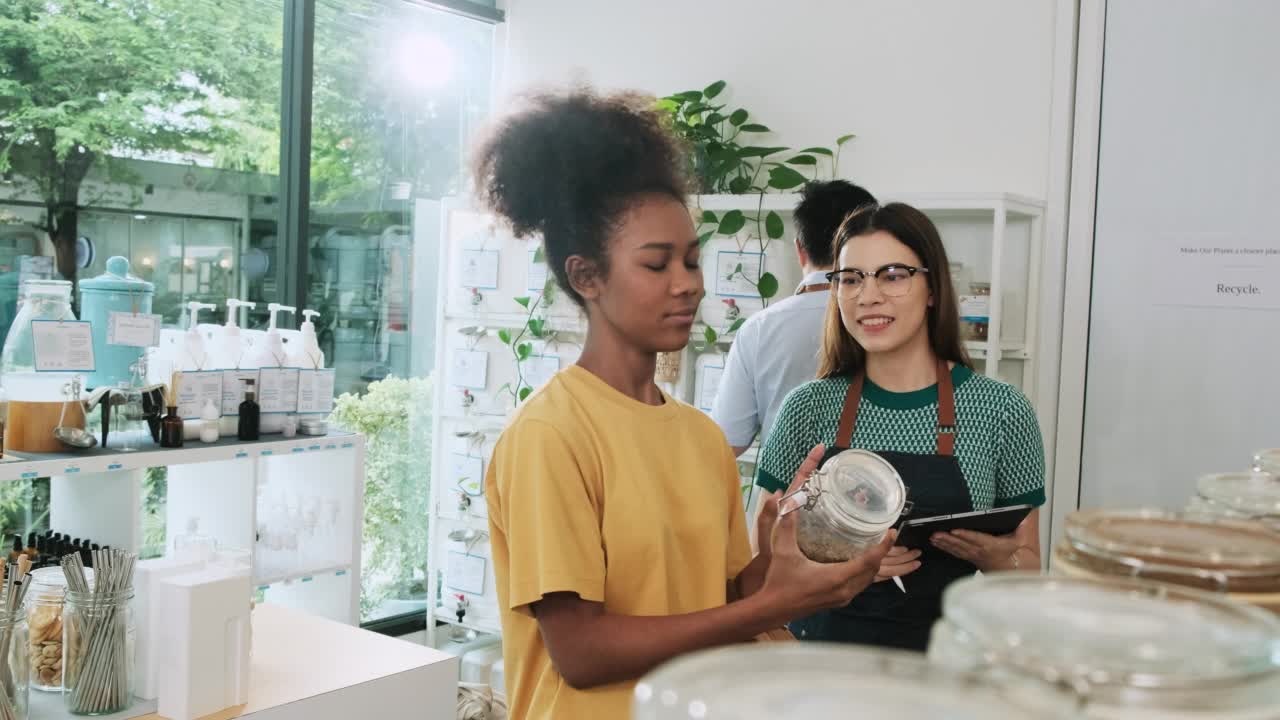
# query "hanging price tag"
(62, 345)
(315, 391)
(133, 330)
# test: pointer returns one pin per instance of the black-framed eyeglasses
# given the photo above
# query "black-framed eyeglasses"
(893, 280)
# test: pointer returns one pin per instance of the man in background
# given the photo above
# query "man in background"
(776, 350)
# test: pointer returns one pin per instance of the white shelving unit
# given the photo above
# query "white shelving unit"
(479, 302)
(97, 493)
(998, 235)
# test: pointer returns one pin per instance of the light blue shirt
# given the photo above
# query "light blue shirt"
(773, 353)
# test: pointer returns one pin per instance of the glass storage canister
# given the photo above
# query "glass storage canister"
(1241, 496)
(44, 627)
(1128, 649)
(1267, 461)
(113, 291)
(36, 399)
(846, 506)
(1241, 559)
(815, 681)
(13, 664)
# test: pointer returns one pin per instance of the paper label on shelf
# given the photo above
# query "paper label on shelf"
(133, 329)
(479, 269)
(278, 390)
(468, 474)
(465, 573)
(63, 345)
(233, 389)
(737, 273)
(194, 389)
(469, 369)
(538, 273)
(975, 308)
(710, 385)
(315, 390)
(539, 369)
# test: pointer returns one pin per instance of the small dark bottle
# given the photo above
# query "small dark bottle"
(17, 549)
(171, 429)
(249, 411)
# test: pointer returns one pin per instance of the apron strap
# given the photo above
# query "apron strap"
(849, 414)
(946, 412)
(805, 289)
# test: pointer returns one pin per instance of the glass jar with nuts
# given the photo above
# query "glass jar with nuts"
(44, 627)
(846, 506)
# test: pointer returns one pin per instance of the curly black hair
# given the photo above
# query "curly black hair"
(570, 165)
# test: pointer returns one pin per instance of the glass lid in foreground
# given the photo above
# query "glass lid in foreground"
(863, 486)
(1174, 539)
(1256, 494)
(1115, 632)
(813, 681)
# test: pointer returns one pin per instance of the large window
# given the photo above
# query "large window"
(398, 90)
(154, 129)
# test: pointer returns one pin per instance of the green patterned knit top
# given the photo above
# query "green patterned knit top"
(998, 442)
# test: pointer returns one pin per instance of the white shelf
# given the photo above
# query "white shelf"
(1008, 350)
(515, 321)
(302, 576)
(1014, 204)
(447, 616)
(25, 466)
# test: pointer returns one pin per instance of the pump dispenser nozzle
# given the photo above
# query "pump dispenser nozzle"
(233, 307)
(272, 309)
(193, 308)
(308, 314)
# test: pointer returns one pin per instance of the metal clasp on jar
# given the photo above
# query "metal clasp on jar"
(804, 498)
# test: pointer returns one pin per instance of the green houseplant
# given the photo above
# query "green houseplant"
(394, 415)
(723, 162)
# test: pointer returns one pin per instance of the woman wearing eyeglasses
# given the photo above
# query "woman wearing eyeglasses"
(893, 378)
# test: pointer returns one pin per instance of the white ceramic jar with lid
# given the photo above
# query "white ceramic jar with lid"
(815, 681)
(1128, 649)
(1241, 495)
(1241, 559)
(846, 506)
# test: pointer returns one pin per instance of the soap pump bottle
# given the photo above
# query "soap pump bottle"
(308, 355)
(193, 355)
(209, 419)
(230, 346)
(271, 354)
(248, 418)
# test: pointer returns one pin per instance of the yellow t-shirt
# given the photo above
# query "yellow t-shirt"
(592, 492)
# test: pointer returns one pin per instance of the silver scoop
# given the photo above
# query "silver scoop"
(71, 436)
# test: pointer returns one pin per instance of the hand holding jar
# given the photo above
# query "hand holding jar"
(802, 585)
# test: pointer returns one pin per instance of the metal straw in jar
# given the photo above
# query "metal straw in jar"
(17, 579)
(98, 659)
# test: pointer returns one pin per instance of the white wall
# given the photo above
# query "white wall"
(943, 95)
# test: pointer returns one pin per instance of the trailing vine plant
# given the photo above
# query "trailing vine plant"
(722, 163)
(534, 328)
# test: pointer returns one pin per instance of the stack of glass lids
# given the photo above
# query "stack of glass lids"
(1239, 558)
(1127, 648)
(812, 681)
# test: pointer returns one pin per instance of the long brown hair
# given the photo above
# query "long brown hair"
(842, 355)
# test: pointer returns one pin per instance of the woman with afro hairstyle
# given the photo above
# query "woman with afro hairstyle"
(618, 534)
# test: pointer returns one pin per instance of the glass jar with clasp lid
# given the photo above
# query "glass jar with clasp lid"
(846, 506)
(1127, 649)
(815, 681)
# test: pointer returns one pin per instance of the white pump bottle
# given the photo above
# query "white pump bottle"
(307, 354)
(230, 350)
(193, 355)
(270, 353)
